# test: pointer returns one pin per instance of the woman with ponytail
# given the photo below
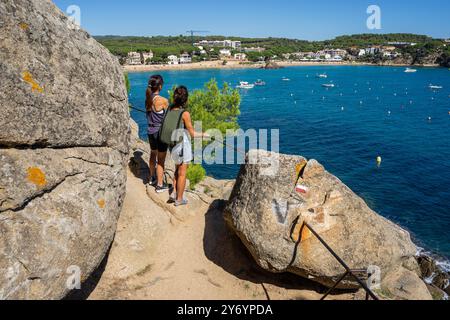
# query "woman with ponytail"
(156, 107)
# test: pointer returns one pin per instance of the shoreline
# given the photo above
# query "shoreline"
(211, 65)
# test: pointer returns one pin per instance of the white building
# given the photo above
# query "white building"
(185, 58)
(134, 58)
(240, 56)
(362, 52)
(147, 56)
(373, 50)
(258, 49)
(336, 52)
(173, 60)
(219, 43)
(225, 52)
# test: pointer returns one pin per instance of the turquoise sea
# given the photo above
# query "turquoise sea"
(371, 111)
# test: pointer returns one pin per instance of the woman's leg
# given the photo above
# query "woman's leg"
(181, 181)
(161, 167)
(175, 180)
(152, 164)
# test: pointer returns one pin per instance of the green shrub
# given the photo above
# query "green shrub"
(127, 83)
(196, 173)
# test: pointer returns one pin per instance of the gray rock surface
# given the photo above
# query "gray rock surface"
(268, 214)
(64, 142)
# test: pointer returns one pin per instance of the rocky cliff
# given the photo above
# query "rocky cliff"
(63, 150)
(268, 214)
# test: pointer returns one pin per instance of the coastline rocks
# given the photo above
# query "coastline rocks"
(433, 275)
(63, 151)
(267, 213)
(270, 65)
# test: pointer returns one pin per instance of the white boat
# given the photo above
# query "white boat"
(409, 70)
(328, 85)
(260, 83)
(286, 79)
(322, 76)
(433, 87)
(245, 85)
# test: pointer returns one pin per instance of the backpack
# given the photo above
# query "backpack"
(172, 121)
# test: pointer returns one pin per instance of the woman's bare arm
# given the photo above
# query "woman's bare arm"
(189, 127)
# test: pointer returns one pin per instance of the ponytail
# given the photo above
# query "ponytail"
(154, 84)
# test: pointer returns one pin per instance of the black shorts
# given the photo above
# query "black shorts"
(156, 144)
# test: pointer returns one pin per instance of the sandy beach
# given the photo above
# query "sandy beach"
(249, 65)
(229, 65)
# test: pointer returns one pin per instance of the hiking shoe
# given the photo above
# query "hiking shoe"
(153, 182)
(173, 198)
(163, 188)
(181, 203)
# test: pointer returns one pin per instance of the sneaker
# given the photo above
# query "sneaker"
(181, 203)
(173, 198)
(163, 188)
(153, 181)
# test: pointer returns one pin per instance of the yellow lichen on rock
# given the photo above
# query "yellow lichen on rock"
(27, 77)
(101, 203)
(36, 176)
(24, 26)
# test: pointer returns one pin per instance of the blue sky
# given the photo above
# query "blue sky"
(301, 19)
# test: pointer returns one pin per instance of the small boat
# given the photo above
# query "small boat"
(260, 83)
(433, 87)
(286, 79)
(245, 85)
(322, 76)
(328, 85)
(410, 70)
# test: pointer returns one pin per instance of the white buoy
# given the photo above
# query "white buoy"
(379, 161)
(344, 109)
(389, 113)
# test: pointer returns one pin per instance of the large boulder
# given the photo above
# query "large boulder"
(268, 214)
(64, 142)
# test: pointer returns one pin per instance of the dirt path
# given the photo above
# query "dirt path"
(155, 256)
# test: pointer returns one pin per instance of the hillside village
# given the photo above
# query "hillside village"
(432, 52)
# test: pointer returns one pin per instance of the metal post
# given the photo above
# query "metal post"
(349, 271)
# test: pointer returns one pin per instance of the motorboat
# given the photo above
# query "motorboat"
(410, 70)
(433, 87)
(245, 85)
(260, 83)
(322, 76)
(328, 85)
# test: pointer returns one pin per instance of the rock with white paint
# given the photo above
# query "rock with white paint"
(268, 209)
(64, 142)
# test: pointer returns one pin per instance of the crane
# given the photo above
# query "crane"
(193, 32)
